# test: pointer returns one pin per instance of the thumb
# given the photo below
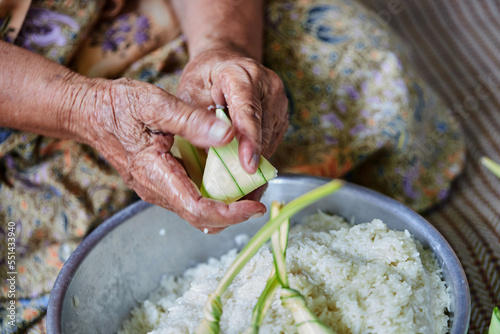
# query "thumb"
(199, 126)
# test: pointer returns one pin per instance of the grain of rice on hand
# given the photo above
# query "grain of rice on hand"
(362, 278)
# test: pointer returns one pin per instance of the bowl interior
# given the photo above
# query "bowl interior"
(123, 260)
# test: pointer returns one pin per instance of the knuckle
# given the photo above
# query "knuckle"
(236, 74)
(254, 70)
(253, 112)
(285, 123)
(283, 114)
(267, 134)
(277, 87)
(275, 79)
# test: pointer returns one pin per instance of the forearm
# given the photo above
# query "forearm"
(210, 24)
(40, 96)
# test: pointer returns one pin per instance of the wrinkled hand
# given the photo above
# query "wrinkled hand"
(253, 94)
(132, 126)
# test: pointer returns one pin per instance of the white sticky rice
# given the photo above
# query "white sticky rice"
(361, 278)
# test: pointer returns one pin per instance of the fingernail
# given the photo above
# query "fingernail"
(218, 131)
(256, 215)
(254, 161)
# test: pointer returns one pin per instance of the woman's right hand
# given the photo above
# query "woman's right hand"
(132, 124)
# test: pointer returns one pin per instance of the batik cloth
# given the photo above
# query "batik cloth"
(357, 110)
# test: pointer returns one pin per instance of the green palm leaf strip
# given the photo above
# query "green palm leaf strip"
(491, 165)
(263, 304)
(279, 241)
(224, 178)
(495, 322)
(193, 158)
(306, 321)
(260, 310)
(495, 317)
(213, 310)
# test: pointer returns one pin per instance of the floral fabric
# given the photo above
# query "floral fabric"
(356, 108)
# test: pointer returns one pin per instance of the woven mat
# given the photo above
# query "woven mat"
(456, 45)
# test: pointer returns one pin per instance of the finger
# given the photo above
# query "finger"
(274, 122)
(242, 96)
(213, 230)
(268, 130)
(256, 195)
(200, 126)
(161, 180)
(274, 113)
(220, 215)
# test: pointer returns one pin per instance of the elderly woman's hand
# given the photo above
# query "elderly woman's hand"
(132, 125)
(253, 94)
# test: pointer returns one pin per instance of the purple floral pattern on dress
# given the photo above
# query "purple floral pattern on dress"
(125, 31)
(141, 35)
(43, 28)
(331, 119)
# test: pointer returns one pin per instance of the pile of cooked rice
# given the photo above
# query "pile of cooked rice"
(361, 278)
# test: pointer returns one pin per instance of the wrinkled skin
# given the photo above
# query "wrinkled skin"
(132, 125)
(254, 96)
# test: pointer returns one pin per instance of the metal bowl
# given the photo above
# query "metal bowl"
(120, 262)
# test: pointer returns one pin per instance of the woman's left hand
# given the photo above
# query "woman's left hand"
(254, 95)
